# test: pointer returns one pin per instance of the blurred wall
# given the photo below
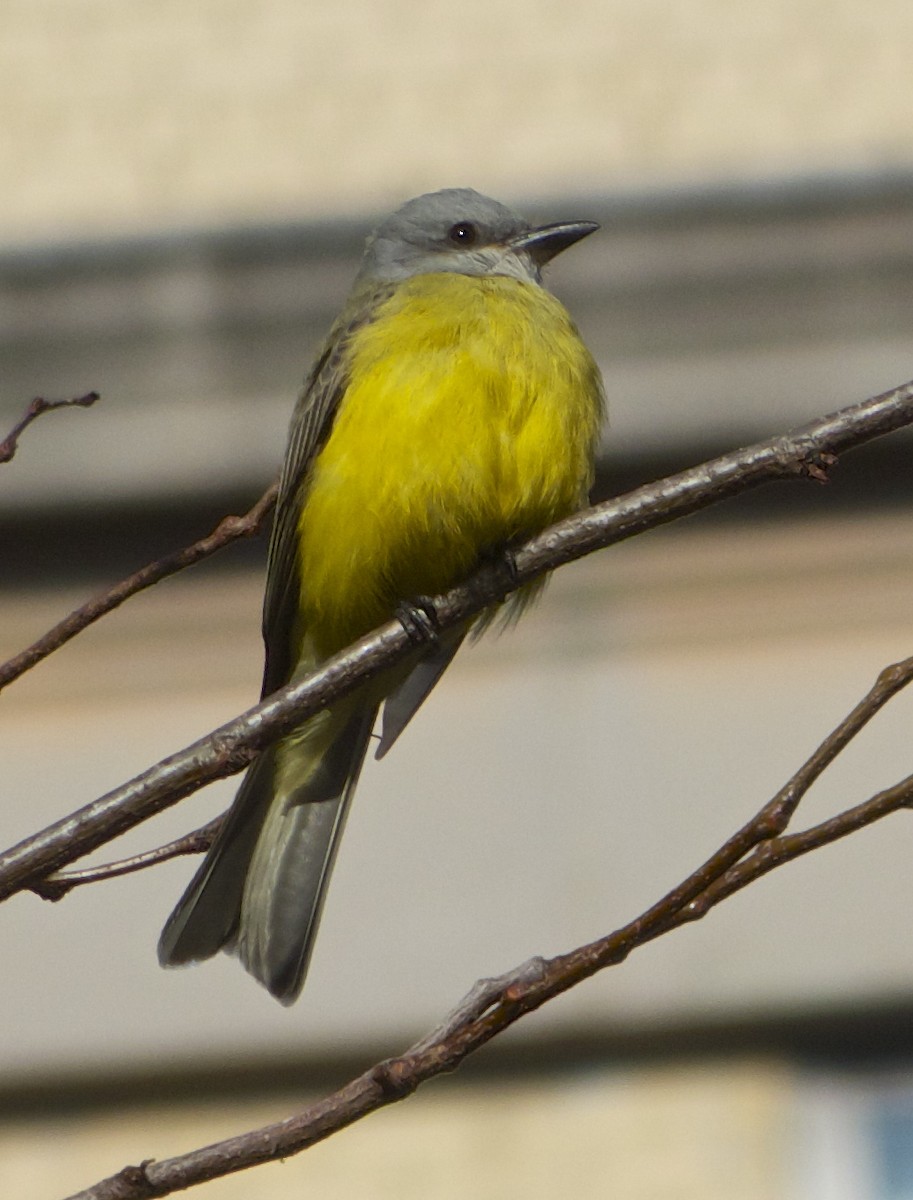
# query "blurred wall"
(118, 118)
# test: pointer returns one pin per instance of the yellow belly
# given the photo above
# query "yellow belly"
(470, 419)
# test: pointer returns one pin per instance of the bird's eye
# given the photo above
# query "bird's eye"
(464, 233)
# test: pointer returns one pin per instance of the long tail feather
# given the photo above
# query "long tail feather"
(292, 860)
(260, 890)
(206, 916)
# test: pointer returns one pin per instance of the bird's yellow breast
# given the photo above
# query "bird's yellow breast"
(470, 418)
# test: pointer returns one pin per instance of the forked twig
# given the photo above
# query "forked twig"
(494, 1004)
(805, 452)
(198, 841)
(33, 411)
(765, 826)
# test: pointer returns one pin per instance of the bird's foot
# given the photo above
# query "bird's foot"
(419, 619)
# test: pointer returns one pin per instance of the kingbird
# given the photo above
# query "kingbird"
(452, 411)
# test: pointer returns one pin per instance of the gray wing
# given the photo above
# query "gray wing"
(312, 421)
(407, 697)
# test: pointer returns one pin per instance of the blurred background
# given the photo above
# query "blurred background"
(188, 187)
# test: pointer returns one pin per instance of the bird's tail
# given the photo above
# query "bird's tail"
(260, 889)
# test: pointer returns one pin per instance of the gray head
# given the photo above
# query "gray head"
(461, 231)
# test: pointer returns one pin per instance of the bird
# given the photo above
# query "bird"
(452, 411)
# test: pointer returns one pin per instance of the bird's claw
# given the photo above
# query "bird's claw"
(419, 619)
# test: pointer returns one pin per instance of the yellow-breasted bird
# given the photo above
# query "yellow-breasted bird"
(452, 411)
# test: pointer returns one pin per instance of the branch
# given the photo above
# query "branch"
(58, 885)
(771, 820)
(33, 411)
(229, 529)
(802, 454)
(494, 1004)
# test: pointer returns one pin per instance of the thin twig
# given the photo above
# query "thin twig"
(229, 529)
(493, 1005)
(33, 411)
(773, 853)
(773, 818)
(758, 846)
(55, 887)
(228, 749)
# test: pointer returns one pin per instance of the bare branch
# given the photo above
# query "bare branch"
(229, 529)
(33, 411)
(494, 1004)
(228, 749)
(779, 850)
(767, 824)
(55, 887)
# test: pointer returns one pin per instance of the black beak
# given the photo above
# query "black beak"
(544, 243)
